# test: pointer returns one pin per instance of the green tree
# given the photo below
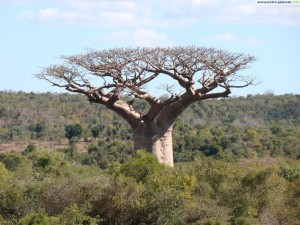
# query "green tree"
(15, 132)
(73, 131)
(96, 130)
(39, 129)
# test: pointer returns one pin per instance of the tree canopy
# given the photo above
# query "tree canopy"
(110, 75)
(121, 77)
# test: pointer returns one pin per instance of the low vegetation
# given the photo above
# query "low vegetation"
(43, 187)
(237, 163)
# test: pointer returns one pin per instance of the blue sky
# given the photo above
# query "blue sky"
(34, 33)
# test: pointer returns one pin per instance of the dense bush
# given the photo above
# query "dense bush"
(237, 163)
(58, 190)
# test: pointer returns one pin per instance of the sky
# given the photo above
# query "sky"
(35, 33)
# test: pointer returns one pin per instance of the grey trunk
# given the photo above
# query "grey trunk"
(155, 139)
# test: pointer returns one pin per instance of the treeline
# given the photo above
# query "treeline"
(238, 127)
(49, 188)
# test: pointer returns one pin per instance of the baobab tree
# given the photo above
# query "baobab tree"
(117, 77)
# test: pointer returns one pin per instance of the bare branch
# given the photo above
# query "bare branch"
(118, 71)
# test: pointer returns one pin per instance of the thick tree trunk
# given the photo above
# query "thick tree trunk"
(156, 139)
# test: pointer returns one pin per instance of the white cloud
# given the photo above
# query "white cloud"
(230, 37)
(248, 12)
(282, 15)
(53, 16)
(222, 37)
(245, 9)
(16, 2)
(139, 37)
(200, 2)
(252, 41)
(48, 13)
(105, 14)
(155, 13)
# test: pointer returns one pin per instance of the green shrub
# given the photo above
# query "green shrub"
(14, 202)
(30, 148)
(76, 216)
(50, 163)
(290, 171)
(14, 161)
(5, 176)
(38, 218)
(141, 166)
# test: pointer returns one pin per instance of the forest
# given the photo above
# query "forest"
(64, 160)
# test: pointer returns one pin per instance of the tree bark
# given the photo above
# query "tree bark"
(156, 139)
(127, 71)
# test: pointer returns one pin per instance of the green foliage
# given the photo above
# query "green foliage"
(237, 163)
(119, 202)
(144, 164)
(50, 164)
(107, 153)
(73, 131)
(15, 132)
(37, 218)
(14, 201)
(291, 171)
(96, 130)
(247, 127)
(14, 161)
(70, 216)
(2, 221)
(5, 176)
(39, 129)
(76, 216)
(29, 149)
(58, 190)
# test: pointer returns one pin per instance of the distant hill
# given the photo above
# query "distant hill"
(234, 127)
